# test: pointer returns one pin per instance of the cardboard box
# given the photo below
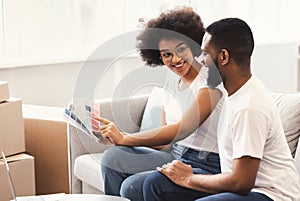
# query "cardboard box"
(46, 139)
(22, 172)
(4, 94)
(12, 139)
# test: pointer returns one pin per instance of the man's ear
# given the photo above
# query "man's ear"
(224, 57)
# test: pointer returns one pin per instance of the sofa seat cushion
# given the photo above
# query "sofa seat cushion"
(87, 168)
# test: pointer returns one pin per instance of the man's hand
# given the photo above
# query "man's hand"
(241, 180)
(178, 172)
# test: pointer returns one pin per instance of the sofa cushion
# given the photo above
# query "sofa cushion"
(153, 110)
(297, 158)
(87, 168)
(288, 105)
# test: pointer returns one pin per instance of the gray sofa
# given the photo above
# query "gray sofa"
(85, 153)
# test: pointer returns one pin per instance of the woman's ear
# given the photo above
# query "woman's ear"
(224, 57)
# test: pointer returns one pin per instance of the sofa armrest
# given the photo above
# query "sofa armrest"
(127, 115)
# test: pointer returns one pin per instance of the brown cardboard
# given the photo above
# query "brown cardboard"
(46, 140)
(4, 93)
(22, 172)
(12, 140)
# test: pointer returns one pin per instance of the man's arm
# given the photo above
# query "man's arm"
(241, 180)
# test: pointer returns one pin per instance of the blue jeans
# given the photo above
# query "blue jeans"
(252, 196)
(124, 169)
(158, 187)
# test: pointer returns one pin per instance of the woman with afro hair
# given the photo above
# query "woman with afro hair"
(173, 40)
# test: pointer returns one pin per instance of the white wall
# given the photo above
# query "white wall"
(53, 85)
(277, 66)
(50, 85)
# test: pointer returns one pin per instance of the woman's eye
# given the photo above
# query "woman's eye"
(181, 49)
(166, 55)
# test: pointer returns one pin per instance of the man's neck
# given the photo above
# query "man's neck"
(234, 83)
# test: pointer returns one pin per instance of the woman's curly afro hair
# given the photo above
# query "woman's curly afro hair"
(179, 23)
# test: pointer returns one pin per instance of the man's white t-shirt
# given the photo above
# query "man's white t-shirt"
(250, 126)
(176, 102)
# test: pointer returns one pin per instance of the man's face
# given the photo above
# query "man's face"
(209, 58)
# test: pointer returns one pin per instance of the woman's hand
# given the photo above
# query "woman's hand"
(110, 131)
(178, 172)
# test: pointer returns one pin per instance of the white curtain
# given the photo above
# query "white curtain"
(71, 28)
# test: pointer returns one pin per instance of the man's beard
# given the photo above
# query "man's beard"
(214, 78)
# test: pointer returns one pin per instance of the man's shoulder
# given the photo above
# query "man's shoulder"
(256, 98)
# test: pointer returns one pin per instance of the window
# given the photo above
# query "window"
(1, 29)
(61, 30)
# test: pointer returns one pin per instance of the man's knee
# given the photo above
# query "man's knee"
(127, 189)
(132, 187)
(154, 182)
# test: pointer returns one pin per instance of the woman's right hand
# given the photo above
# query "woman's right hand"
(110, 131)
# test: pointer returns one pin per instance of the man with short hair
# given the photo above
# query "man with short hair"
(256, 162)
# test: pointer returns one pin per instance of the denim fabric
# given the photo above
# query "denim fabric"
(132, 186)
(158, 187)
(120, 165)
(252, 196)
(203, 160)
(124, 169)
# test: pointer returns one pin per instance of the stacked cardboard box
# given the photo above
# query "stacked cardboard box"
(12, 143)
(4, 95)
(46, 139)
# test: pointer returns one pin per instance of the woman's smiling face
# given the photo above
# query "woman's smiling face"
(176, 55)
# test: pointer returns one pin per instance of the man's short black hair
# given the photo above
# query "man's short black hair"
(235, 36)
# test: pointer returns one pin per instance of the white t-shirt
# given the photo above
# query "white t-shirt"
(250, 126)
(176, 102)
